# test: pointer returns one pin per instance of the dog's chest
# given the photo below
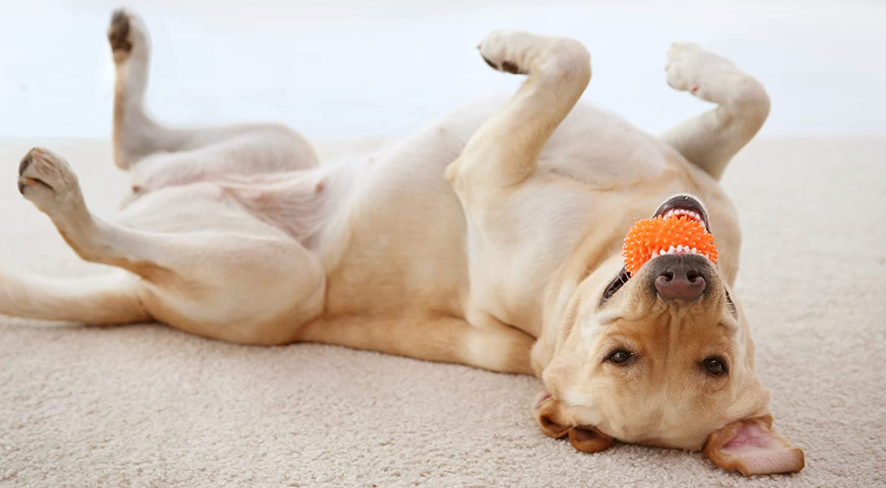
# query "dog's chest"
(410, 244)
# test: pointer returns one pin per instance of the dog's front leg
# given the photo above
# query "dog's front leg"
(711, 139)
(504, 151)
(499, 161)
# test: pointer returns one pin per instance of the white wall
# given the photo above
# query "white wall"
(352, 68)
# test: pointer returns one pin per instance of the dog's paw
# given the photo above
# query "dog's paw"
(521, 53)
(126, 33)
(48, 181)
(691, 68)
(506, 50)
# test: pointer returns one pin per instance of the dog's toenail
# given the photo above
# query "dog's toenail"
(21, 187)
(490, 63)
(118, 17)
(510, 67)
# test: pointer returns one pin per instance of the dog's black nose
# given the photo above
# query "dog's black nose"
(680, 278)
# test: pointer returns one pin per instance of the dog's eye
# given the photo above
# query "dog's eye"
(615, 285)
(730, 304)
(620, 357)
(715, 366)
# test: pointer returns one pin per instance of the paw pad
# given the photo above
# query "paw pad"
(118, 32)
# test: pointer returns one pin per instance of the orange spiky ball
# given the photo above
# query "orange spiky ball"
(652, 237)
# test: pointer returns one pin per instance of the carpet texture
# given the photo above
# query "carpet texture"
(148, 406)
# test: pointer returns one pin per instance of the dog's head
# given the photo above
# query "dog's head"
(662, 358)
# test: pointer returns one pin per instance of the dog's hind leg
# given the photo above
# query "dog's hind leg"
(213, 270)
(137, 135)
(241, 156)
(711, 139)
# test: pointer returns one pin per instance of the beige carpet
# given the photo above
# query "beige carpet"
(148, 406)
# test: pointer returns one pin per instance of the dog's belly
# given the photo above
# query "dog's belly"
(401, 249)
(406, 245)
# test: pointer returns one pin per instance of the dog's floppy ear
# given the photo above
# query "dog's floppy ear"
(584, 439)
(589, 439)
(753, 447)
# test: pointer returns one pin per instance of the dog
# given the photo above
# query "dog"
(492, 238)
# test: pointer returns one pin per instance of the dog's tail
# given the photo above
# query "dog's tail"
(99, 300)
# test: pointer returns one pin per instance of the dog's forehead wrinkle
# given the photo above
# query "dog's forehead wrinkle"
(591, 329)
(637, 314)
(607, 318)
(732, 326)
(675, 338)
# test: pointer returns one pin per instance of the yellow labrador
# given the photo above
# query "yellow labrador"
(491, 238)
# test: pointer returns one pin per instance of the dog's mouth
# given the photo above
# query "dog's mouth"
(685, 206)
